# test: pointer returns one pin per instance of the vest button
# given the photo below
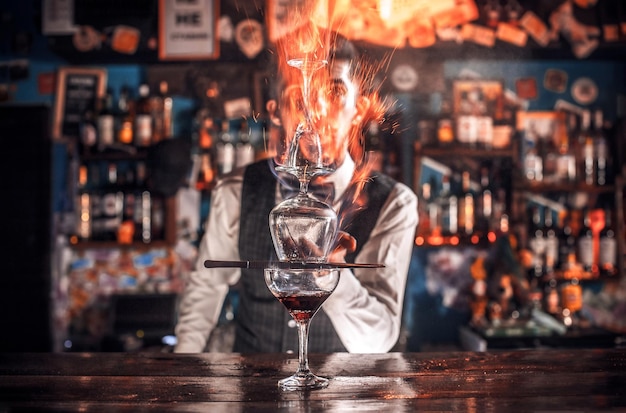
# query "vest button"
(291, 323)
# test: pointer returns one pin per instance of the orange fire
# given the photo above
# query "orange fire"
(340, 123)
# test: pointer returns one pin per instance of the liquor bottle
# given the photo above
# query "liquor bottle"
(533, 163)
(485, 202)
(551, 243)
(587, 156)
(552, 301)
(445, 130)
(601, 150)
(244, 151)
(204, 160)
(567, 242)
(168, 109)
(447, 205)
(156, 107)
(566, 161)
(571, 301)
(106, 224)
(106, 122)
(608, 247)
(145, 210)
(585, 244)
(536, 244)
(466, 206)
(225, 150)
(88, 131)
(126, 117)
(143, 117)
(427, 211)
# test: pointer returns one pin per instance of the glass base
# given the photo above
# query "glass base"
(303, 381)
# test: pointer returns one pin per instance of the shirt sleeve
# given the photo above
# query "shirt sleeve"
(205, 288)
(366, 306)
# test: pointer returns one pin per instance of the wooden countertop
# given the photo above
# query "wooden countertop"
(501, 381)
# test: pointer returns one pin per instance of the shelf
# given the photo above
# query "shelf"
(454, 151)
(564, 187)
(138, 245)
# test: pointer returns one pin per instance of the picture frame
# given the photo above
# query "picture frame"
(479, 97)
(188, 30)
(77, 91)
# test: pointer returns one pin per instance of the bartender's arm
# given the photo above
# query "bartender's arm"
(205, 289)
(366, 306)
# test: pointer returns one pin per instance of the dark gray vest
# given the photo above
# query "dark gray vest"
(262, 321)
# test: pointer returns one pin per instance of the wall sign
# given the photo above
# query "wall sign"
(187, 29)
(77, 91)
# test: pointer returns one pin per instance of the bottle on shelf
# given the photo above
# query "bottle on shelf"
(571, 302)
(161, 105)
(445, 129)
(89, 131)
(533, 162)
(106, 122)
(466, 206)
(536, 244)
(608, 247)
(601, 150)
(143, 117)
(126, 117)
(566, 161)
(447, 205)
(587, 164)
(205, 171)
(225, 150)
(567, 242)
(585, 244)
(551, 255)
(485, 216)
(427, 210)
(244, 151)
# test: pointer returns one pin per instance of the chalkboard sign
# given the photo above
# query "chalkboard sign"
(77, 90)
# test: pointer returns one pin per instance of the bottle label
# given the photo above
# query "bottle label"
(105, 130)
(143, 131)
(585, 251)
(608, 251)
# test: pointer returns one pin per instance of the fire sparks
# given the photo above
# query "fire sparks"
(342, 96)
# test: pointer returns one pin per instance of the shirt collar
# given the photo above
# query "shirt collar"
(342, 177)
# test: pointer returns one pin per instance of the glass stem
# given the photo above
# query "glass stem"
(303, 348)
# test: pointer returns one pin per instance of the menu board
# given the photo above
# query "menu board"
(77, 91)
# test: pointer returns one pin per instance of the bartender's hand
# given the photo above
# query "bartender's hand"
(346, 243)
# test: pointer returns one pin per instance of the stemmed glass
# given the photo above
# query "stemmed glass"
(302, 292)
(303, 229)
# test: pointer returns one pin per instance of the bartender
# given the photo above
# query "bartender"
(363, 315)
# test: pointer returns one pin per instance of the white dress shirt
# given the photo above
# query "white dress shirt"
(365, 308)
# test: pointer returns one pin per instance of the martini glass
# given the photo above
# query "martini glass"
(302, 292)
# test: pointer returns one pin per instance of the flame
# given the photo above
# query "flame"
(339, 122)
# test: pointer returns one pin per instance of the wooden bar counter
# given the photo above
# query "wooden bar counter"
(501, 381)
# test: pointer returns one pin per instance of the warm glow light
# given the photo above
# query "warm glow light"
(384, 7)
(475, 238)
(491, 236)
(454, 240)
(419, 240)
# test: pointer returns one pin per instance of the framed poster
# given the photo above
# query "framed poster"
(188, 29)
(77, 90)
(478, 97)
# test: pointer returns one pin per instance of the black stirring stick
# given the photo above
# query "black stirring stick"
(285, 265)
